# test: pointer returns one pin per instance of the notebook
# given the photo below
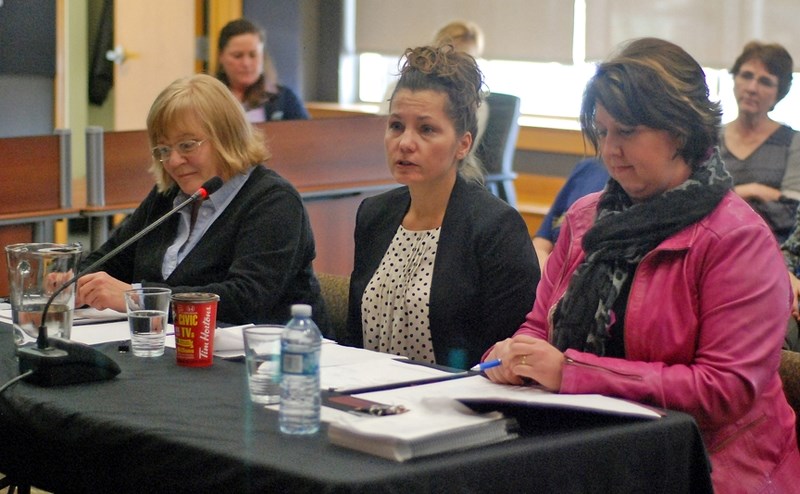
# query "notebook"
(442, 416)
(429, 427)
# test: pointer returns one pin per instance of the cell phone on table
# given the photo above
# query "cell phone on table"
(353, 404)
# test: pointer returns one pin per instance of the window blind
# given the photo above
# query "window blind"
(530, 30)
(712, 31)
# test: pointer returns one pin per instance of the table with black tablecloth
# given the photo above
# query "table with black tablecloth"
(158, 427)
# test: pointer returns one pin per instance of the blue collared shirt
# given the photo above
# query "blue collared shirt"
(209, 210)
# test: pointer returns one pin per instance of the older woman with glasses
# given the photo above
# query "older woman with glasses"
(250, 242)
(762, 155)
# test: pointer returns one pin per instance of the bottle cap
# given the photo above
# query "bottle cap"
(302, 310)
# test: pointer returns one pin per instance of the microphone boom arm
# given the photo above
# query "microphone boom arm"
(41, 339)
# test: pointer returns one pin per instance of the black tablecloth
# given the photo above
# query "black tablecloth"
(158, 427)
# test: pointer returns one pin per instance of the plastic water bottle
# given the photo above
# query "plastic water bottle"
(300, 395)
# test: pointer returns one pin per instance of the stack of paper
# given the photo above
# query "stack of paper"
(430, 426)
(444, 423)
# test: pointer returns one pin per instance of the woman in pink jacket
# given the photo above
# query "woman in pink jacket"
(666, 288)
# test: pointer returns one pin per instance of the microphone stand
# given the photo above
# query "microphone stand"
(41, 339)
(82, 363)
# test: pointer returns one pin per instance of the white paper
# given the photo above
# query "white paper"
(90, 315)
(374, 372)
(480, 388)
(428, 416)
(93, 334)
(229, 342)
(81, 316)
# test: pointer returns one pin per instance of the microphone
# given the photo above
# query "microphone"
(57, 361)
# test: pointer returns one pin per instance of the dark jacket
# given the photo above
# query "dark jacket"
(285, 105)
(256, 255)
(484, 277)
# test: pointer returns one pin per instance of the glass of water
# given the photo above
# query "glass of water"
(262, 349)
(147, 317)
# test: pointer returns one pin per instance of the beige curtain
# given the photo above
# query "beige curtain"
(712, 31)
(531, 30)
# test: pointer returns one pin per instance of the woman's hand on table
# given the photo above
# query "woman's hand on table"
(525, 358)
(101, 291)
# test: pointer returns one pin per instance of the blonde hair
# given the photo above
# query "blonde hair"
(465, 36)
(236, 143)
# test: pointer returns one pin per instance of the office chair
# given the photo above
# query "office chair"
(498, 144)
(335, 291)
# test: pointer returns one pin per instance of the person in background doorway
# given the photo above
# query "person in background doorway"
(245, 66)
(763, 155)
(442, 267)
(666, 288)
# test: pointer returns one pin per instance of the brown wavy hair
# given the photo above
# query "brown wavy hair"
(266, 86)
(655, 83)
(775, 58)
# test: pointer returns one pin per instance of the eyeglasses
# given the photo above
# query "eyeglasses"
(162, 153)
(763, 81)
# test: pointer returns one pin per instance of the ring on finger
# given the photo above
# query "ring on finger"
(524, 360)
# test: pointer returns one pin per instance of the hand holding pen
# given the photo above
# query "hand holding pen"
(486, 365)
(523, 359)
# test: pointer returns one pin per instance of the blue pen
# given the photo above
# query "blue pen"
(487, 365)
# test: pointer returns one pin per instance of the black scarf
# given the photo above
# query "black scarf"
(622, 234)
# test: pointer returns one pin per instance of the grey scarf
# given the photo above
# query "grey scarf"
(622, 234)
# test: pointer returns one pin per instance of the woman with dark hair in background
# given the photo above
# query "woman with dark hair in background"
(762, 155)
(666, 287)
(245, 66)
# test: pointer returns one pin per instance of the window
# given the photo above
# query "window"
(554, 88)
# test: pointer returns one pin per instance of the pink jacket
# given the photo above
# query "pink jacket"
(704, 325)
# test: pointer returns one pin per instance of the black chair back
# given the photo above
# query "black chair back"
(498, 144)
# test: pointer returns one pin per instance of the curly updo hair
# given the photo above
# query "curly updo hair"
(456, 74)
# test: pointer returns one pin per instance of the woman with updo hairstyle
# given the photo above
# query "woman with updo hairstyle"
(465, 36)
(442, 267)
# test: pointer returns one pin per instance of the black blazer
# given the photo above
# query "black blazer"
(484, 277)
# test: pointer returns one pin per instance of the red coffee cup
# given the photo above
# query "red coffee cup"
(194, 316)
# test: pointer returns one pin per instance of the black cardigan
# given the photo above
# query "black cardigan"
(484, 277)
(256, 255)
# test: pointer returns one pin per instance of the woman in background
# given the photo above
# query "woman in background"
(666, 288)
(245, 66)
(589, 175)
(442, 267)
(762, 155)
(250, 242)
